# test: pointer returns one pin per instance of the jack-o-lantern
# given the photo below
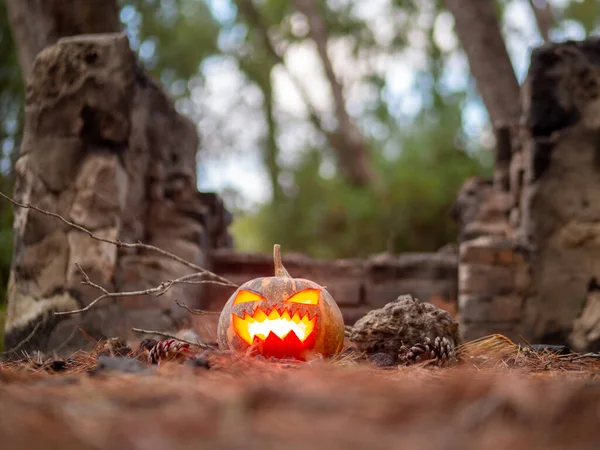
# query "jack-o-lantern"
(281, 317)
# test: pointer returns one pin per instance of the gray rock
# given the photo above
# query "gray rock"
(404, 322)
(119, 364)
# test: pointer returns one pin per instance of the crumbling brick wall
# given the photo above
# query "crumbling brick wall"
(357, 285)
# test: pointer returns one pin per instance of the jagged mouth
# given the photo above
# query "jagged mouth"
(272, 326)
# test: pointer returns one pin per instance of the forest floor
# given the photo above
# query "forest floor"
(497, 397)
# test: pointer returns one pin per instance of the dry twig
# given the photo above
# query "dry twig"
(170, 336)
(120, 244)
(159, 290)
(199, 312)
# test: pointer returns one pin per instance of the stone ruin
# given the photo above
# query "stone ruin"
(529, 257)
(104, 147)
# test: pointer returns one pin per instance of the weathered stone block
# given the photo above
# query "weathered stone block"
(190, 251)
(424, 289)
(481, 210)
(485, 279)
(343, 279)
(100, 189)
(559, 213)
(486, 308)
(490, 250)
(39, 269)
(57, 164)
(98, 259)
(424, 276)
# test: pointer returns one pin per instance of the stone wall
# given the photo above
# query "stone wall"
(104, 147)
(560, 206)
(493, 278)
(534, 272)
(357, 285)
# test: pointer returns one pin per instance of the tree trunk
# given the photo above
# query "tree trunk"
(351, 148)
(104, 147)
(543, 17)
(37, 24)
(271, 147)
(478, 30)
(345, 141)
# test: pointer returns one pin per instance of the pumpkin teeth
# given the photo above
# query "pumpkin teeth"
(260, 324)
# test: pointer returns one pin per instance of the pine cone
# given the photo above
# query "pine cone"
(441, 350)
(169, 350)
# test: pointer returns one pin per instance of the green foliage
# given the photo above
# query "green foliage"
(11, 126)
(172, 38)
(405, 210)
(586, 12)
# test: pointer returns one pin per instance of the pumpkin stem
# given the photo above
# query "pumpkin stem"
(279, 269)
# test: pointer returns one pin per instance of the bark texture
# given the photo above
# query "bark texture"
(37, 24)
(104, 147)
(478, 30)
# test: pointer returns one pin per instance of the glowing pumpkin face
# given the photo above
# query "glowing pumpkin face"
(281, 317)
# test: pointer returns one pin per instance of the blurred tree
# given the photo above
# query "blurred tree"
(544, 17)
(478, 28)
(419, 146)
(11, 126)
(36, 24)
(406, 211)
(353, 152)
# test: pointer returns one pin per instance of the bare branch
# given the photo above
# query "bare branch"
(66, 341)
(159, 290)
(120, 244)
(198, 312)
(170, 336)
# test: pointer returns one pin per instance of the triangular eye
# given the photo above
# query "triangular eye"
(247, 296)
(306, 297)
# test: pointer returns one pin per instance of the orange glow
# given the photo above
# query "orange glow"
(306, 297)
(247, 296)
(261, 325)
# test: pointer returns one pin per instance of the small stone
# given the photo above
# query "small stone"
(383, 360)
(198, 363)
(119, 364)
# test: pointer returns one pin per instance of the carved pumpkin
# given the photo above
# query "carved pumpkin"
(281, 317)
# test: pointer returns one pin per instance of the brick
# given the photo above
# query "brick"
(378, 294)
(485, 308)
(491, 280)
(490, 250)
(342, 278)
(522, 279)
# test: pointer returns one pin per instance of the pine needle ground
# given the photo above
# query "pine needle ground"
(499, 395)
